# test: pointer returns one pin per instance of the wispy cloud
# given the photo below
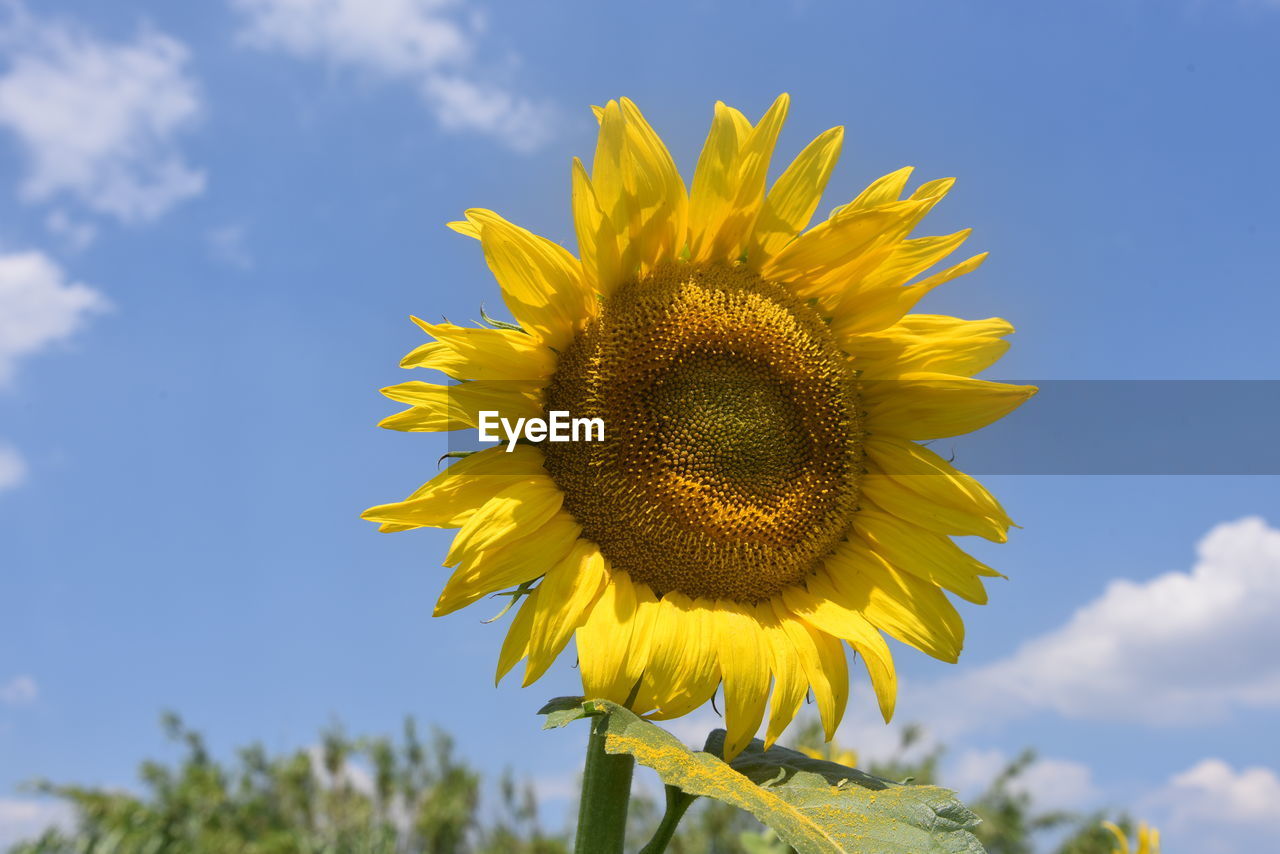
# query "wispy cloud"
(228, 245)
(75, 234)
(19, 691)
(13, 468)
(98, 121)
(432, 44)
(39, 307)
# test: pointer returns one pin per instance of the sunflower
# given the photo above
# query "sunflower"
(1148, 839)
(761, 498)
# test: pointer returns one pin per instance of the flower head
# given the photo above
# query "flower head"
(761, 498)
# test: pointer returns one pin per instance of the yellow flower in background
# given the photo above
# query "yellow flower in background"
(761, 497)
(833, 753)
(1148, 839)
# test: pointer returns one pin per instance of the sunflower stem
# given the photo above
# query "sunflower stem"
(606, 793)
(677, 803)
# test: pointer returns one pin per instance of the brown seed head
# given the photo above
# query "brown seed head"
(733, 448)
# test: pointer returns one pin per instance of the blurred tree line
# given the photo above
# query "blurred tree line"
(416, 796)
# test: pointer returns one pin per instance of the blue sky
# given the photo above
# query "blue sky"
(215, 221)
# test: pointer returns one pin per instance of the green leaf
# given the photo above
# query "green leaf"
(815, 806)
(499, 324)
(563, 711)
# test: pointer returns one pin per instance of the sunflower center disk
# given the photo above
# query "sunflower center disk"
(733, 444)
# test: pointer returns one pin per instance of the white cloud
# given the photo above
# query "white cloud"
(461, 104)
(973, 769)
(1051, 783)
(228, 245)
(13, 469)
(1212, 808)
(38, 307)
(98, 120)
(19, 691)
(391, 36)
(1213, 790)
(75, 234)
(431, 43)
(1059, 783)
(26, 818)
(1181, 648)
(692, 729)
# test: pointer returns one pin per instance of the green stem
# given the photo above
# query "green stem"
(677, 803)
(606, 791)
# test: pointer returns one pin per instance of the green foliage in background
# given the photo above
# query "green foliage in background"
(349, 796)
(417, 796)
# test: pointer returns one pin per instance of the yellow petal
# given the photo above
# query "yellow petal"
(465, 353)
(659, 232)
(872, 310)
(715, 180)
(935, 189)
(915, 506)
(515, 645)
(932, 557)
(567, 593)
(819, 606)
(513, 512)
(597, 236)
(1119, 835)
(819, 261)
(606, 661)
(789, 684)
(822, 661)
(541, 281)
(465, 227)
(609, 169)
(645, 702)
(929, 405)
(910, 258)
(395, 527)
(682, 669)
(929, 342)
(639, 650)
(883, 190)
(794, 197)
(850, 274)
(458, 407)
(751, 169)
(745, 664)
(742, 125)
(916, 485)
(639, 189)
(512, 561)
(455, 494)
(1148, 839)
(914, 611)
